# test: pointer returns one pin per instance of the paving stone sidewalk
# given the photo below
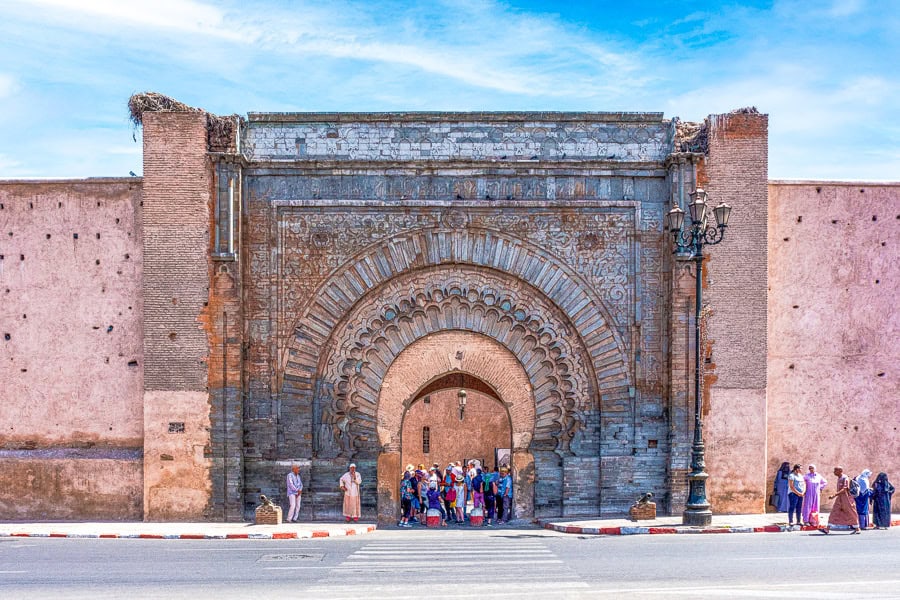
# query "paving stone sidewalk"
(764, 523)
(184, 531)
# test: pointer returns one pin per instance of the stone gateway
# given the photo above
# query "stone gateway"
(317, 289)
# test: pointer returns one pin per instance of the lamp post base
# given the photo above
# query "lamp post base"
(697, 518)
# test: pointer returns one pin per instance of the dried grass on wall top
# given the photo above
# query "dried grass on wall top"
(221, 131)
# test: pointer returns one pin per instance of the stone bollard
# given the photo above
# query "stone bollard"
(476, 517)
(268, 513)
(645, 511)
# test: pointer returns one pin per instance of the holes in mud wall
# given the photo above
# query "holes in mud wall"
(173, 335)
(7, 337)
(799, 218)
(132, 363)
(874, 217)
(75, 236)
(652, 443)
(881, 374)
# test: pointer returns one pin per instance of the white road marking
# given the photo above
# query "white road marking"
(12, 572)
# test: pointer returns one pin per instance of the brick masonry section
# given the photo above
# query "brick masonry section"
(736, 292)
(176, 289)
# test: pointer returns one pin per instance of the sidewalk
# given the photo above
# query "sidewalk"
(764, 523)
(184, 531)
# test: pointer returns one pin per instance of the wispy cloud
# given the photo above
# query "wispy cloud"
(825, 72)
(8, 85)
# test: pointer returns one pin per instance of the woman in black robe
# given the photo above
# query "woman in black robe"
(881, 501)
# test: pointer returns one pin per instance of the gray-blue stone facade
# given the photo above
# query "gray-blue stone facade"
(565, 210)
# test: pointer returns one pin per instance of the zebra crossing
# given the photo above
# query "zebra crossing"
(460, 565)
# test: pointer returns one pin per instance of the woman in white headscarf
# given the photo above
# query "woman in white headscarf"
(862, 501)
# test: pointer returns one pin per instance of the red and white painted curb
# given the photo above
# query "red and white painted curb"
(682, 530)
(274, 535)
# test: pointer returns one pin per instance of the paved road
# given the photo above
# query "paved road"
(521, 563)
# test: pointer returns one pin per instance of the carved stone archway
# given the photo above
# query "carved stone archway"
(431, 357)
(474, 281)
(511, 312)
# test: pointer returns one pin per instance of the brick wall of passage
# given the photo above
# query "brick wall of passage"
(177, 188)
(484, 427)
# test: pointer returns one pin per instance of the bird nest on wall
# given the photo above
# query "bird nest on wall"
(220, 130)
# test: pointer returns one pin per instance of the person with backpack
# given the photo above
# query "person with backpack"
(478, 490)
(407, 493)
(843, 512)
(489, 490)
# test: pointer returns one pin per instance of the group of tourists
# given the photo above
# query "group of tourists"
(452, 490)
(798, 495)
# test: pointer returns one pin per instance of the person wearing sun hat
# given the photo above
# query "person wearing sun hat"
(504, 496)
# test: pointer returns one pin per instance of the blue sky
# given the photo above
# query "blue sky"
(827, 72)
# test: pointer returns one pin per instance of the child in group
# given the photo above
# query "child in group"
(460, 502)
(434, 502)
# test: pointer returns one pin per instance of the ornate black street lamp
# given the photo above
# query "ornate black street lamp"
(689, 242)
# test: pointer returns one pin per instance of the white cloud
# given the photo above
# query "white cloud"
(8, 86)
(180, 15)
(486, 45)
(845, 8)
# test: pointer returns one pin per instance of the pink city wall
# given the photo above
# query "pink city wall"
(834, 326)
(71, 424)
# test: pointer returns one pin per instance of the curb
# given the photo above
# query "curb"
(685, 530)
(276, 535)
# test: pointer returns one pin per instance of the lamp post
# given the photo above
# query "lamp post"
(461, 399)
(690, 240)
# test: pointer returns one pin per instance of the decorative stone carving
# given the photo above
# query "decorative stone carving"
(468, 299)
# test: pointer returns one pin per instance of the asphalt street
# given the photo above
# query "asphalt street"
(482, 564)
